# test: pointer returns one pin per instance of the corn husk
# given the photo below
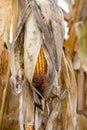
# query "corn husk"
(51, 45)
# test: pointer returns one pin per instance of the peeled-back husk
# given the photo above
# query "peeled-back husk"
(48, 31)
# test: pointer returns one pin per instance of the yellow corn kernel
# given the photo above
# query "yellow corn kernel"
(29, 127)
(41, 64)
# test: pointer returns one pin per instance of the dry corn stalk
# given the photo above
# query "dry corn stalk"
(43, 41)
(39, 35)
(70, 81)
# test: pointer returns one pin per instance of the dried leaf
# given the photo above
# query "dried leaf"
(81, 34)
(15, 15)
(69, 78)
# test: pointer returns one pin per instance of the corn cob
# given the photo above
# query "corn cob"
(41, 64)
(29, 127)
(40, 77)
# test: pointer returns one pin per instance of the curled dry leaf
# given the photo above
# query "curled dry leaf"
(70, 81)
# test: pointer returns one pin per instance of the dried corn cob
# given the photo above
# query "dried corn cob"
(29, 127)
(41, 64)
(40, 77)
